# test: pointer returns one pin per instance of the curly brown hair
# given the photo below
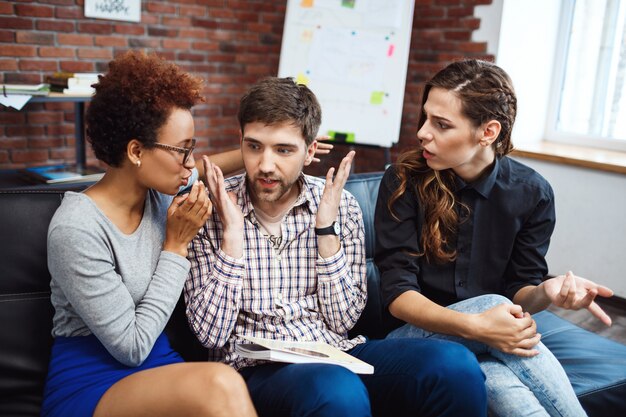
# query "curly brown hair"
(486, 93)
(275, 100)
(133, 101)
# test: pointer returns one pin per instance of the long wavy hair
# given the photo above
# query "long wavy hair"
(486, 93)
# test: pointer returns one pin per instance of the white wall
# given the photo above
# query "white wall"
(590, 235)
(489, 31)
(525, 48)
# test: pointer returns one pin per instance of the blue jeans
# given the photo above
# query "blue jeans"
(412, 377)
(516, 386)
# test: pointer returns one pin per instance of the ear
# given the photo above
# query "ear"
(310, 153)
(134, 151)
(490, 132)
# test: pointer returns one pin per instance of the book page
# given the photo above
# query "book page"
(318, 351)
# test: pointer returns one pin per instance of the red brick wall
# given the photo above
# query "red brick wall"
(229, 43)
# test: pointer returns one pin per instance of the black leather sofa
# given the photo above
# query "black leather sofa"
(596, 366)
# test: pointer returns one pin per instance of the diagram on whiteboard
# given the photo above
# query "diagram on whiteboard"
(353, 55)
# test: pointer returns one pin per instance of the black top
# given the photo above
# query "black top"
(501, 246)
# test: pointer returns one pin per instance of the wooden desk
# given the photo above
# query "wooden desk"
(79, 122)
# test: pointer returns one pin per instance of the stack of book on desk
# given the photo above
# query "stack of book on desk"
(73, 83)
(57, 174)
(25, 89)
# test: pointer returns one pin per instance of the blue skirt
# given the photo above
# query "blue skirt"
(81, 371)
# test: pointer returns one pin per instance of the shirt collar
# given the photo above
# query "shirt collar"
(485, 184)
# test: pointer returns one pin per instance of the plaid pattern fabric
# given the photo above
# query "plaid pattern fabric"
(290, 293)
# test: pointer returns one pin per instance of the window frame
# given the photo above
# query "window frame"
(552, 134)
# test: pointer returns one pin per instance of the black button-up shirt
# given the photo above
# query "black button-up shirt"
(501, 244)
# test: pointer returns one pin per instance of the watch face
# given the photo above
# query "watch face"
(337, 228)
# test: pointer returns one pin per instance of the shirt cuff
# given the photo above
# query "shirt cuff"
(176, 259)
(228, 269)
(332, 268)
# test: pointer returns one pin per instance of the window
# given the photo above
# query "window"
(589, 106)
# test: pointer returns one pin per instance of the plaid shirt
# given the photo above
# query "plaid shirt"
(288, 293)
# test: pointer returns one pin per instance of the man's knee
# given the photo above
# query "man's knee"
(458, 365)
(334, 391)
(456, 376)
(438, 376)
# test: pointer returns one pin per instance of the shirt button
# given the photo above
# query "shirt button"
(461, 283)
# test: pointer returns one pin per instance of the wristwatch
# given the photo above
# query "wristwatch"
(333, 229)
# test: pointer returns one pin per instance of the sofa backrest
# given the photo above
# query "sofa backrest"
(375, 322)
(25, 309)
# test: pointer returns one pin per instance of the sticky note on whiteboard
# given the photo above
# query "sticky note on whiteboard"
(306, 36)
(377, 97)
(302, 79)
(306, 3)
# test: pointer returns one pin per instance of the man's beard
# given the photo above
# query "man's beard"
(273, 195)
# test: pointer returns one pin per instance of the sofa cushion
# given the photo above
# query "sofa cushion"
(595, 365)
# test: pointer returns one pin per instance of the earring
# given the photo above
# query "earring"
(138, 163)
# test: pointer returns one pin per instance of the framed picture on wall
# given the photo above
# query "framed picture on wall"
(127, 10)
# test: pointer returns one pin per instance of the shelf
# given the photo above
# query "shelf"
(79, 121)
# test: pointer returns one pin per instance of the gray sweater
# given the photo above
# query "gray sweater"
(121, 288)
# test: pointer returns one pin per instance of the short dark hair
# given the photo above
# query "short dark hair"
(133, 100)
(275, 100)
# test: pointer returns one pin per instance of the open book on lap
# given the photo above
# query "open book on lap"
(300, 352)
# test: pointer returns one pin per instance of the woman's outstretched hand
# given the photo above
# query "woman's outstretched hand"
(573, 293)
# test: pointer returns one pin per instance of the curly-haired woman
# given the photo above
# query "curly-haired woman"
(460, 227)
(117, 256)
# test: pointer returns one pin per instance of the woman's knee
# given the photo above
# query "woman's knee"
(493, 300)
(223, 379)
(480, 303)
(216, 386)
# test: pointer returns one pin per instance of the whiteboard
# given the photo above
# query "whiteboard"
(353, 55)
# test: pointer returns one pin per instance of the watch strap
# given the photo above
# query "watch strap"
(333, 229)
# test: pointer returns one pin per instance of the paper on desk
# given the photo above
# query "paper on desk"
(17, 101)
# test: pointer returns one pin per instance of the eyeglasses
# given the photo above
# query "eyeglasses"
(186, 151)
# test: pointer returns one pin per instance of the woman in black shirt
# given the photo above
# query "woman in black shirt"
(461, 229)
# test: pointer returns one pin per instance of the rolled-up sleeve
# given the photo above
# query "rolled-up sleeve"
(397, 239)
